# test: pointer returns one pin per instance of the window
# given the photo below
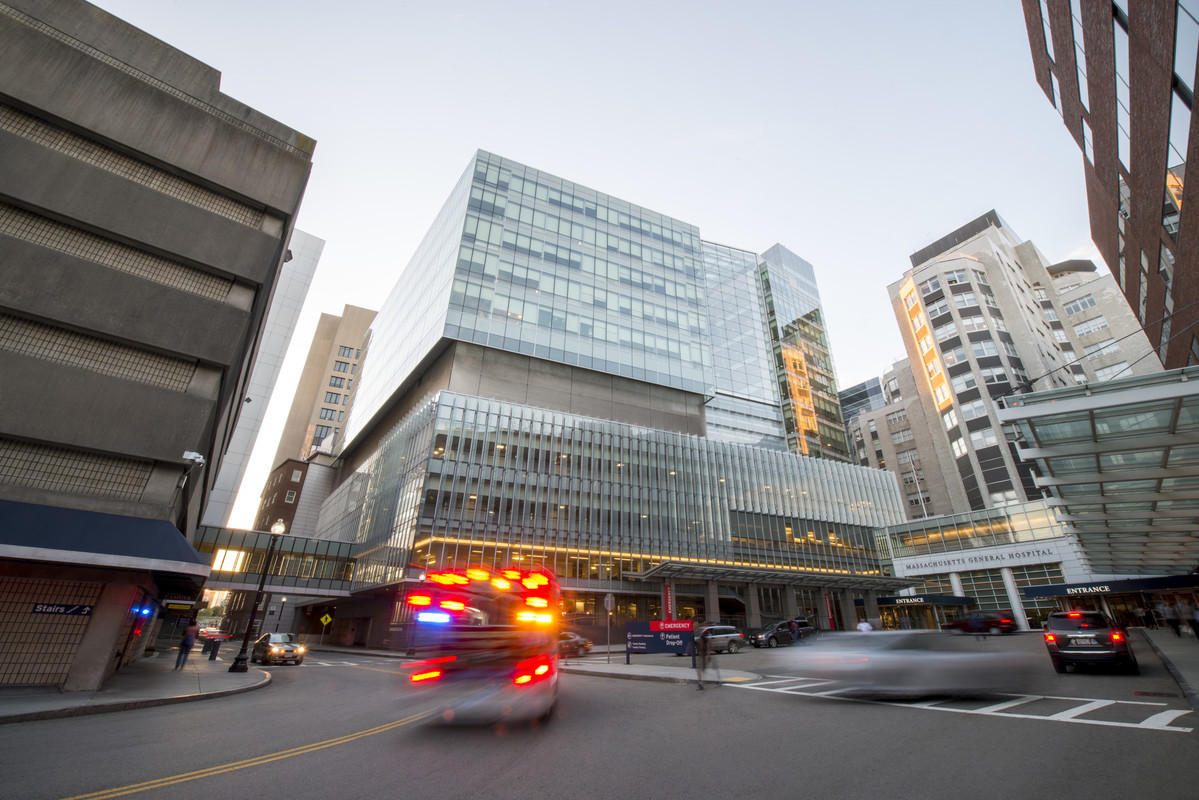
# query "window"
(929, 286)
(955, 356)
(978, 323)
(1004, 498)
(1050, 314)
(1081, 304)
(328, 413)
(918, 499)
(290, 497)
(337, 383)
(919, 321)
(341, 366)
(959, 447)
(296, 475)
(941, 394)
(994, 375)
(915, 476)
(899, 437)
(896, 417)
(1090, 326)
(963, 382)
(965, 299)
(950, 418)
(909, 299)
(957, 276)
(907, 457)
(322, 432)
(975, 408)
(1059, 335)
(938, 308)
(1102, 348)
(1114, 371)
(332, 397)
(983, 438)
(933, 368)
(345, 352)
(926, 344)
(943, 332)
(983, 349)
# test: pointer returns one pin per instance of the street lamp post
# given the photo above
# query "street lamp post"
(240, 664)
(282, 605)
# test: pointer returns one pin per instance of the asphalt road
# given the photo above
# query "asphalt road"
(333, 728)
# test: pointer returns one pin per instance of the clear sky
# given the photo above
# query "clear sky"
(852, 132)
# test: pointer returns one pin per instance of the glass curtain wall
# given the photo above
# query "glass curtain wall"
(467, 480)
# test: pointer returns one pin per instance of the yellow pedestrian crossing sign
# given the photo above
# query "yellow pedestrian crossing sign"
(325, 620)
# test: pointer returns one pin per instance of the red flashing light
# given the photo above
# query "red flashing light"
(420, 600)
(1074, 614)
(453, 605)
(476, 574)
(533, 670)
(448, 578)
(512, 574)
(428, 662)
(537, 602)
(429, 675)
(501, 584)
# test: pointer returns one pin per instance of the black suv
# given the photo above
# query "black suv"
(1087, 637)
(772, 635)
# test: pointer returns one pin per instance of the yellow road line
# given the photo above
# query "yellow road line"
(251, 762)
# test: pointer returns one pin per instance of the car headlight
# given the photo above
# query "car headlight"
(276, 650)
(300, 649)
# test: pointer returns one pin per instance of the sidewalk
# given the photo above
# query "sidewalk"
(149, 682)
(1180, 654)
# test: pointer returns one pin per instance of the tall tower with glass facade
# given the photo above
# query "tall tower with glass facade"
(806, 376)
(563, 377)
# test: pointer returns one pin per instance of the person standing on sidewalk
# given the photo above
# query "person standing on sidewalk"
(703, 654)
(1191, 612)
(1170, 613)
(186, 643)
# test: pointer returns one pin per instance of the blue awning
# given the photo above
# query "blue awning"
(89, 538)
(1163, 583)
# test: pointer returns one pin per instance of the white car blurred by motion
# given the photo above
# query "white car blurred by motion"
(917, 664)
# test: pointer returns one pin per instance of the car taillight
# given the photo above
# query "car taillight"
(1116, 637)
(1049, 637)
(427, 675)
(533, 670)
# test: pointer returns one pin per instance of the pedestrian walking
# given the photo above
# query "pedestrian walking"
(1170, 614)
(1191, 613)
(865, 627)
(705, 658)
(186, 643)
(794, 632)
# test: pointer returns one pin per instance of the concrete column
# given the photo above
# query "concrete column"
(849, 612)
(753, 613)
(99, 649)
(822, 620)
(712, 602)
(1013, 596)
(790, 607)
(870, 599)
(956, 581)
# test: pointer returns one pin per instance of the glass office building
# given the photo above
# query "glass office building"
(562, 377)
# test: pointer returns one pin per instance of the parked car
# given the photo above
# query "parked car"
(991, 622)
(773, 635)
(1088, 637)
(572, 644)
(281, 647)
(722, 638)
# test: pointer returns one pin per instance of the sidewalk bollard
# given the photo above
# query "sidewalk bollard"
(213, 648)
(207, 646)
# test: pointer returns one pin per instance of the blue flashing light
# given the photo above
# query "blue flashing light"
(433, 616)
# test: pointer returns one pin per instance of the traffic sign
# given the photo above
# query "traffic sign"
(609, 601)
(325, 620)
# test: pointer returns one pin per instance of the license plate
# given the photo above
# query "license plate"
(1084, 641)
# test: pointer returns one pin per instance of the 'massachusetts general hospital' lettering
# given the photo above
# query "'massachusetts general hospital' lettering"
(978, 560)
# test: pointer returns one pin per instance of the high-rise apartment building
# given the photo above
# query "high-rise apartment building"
(537, 388)
(326, 386)
(983, 315)
(144, 222)
(1122, 75)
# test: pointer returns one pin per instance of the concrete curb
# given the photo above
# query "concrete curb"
(1188, 691)
(129, 705)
